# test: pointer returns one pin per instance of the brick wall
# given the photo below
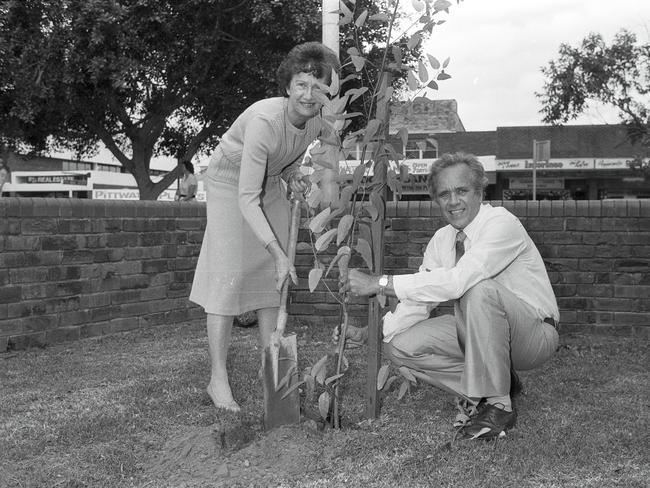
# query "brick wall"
(80, 268)
(73, 268)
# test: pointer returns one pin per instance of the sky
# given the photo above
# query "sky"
(497, 48)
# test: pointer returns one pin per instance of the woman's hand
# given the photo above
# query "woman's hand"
(299, 184)
(283, 267)
(283, 270)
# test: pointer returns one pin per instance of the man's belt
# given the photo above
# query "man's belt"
(551, 321)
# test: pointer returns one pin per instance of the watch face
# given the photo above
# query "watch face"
(383, 281)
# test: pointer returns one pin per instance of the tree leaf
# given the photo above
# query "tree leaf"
(390, 381)
(334, 378)
(441, 5)
(343, 250)
(435, 64)
(414, 41)
(355, 93)
(442, 76)
(403, 134)
(317, 224)
(433, 85)
(324, 240)
(412, 81)
(382, 17)
(406, 372)
(318, 370)
(403, 388)
(382, 376)
(286, 378)
(363, 248)
(314, 277)
(378, 202)
(422, 72)
(361, 19)
(371, 130)
(303, 247)
(314, 198)
(359, 171)
(334, 84)
(445, 63)
(324, 404)
(358, 62)
(345, 224)
(418, 5)
(292, 388)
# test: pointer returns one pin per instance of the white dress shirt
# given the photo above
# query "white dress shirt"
(497, 247)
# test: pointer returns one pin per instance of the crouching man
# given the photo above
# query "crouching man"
(505, 313)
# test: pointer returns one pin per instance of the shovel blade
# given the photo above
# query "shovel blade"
(276, 363)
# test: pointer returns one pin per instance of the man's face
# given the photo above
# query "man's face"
(457, 196)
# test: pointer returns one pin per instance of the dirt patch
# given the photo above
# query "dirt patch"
(237, 455)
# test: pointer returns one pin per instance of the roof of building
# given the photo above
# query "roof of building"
(424, 115)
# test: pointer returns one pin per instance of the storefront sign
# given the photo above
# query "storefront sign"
(76, 179)
(551, 165)
(541, 184)
(128, 194)
(613, 163)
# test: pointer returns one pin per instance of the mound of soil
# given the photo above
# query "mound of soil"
(240, 455)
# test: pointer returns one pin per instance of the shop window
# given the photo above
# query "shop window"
(420, 150)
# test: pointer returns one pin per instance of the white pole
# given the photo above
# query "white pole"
(535, 156)
(331, 24)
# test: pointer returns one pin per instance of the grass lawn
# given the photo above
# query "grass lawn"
(131, 410)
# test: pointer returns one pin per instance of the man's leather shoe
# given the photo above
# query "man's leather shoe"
(490, 422)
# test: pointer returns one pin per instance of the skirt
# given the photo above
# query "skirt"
(235, 273)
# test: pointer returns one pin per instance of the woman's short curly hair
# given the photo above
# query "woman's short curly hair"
(311, 57)
(479, 180)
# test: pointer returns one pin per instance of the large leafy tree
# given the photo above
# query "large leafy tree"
(144, 77)
(617, 75)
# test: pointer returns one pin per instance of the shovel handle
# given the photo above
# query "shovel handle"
(291, 254)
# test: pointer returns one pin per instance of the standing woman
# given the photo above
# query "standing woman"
(243, 260)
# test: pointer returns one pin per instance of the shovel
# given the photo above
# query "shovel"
(280, 357)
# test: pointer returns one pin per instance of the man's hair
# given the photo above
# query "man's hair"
(479, 180)
(311, 57)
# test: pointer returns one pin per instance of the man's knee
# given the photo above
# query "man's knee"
(482, 291)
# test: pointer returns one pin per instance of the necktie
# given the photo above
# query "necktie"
(460, 245)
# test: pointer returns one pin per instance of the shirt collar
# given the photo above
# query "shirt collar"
(473, 227)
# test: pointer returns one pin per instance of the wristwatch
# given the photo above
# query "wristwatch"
(383, 283)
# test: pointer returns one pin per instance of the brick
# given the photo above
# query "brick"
(56, 243)
(28, 275)
(22, 243)
(74, 226)
(10, 294)
(633, 265)
(40, 323)
(37, 226)
(77, 256)
(63, 334)
(122, 240)
(630, 291)
(25, 341)
(75, 317)
(11, 326)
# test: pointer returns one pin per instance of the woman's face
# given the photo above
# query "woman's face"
(302, 104)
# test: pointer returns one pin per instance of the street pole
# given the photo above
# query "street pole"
(331, 24)
(534, 169)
